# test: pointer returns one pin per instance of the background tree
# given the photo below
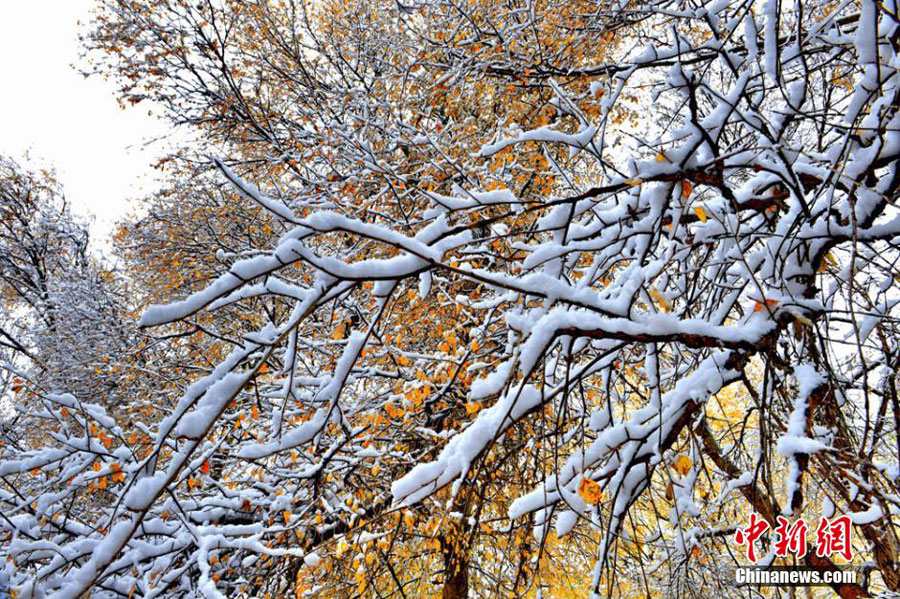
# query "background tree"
(63, 313)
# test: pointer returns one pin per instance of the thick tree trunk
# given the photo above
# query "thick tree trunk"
(456, 565)
(456, 577)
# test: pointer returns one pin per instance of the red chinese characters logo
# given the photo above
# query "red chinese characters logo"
(791, 538)
(832, 537)
(748, 536)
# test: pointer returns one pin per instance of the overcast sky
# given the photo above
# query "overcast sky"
(66, 121)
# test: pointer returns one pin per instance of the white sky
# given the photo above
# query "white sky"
(66, 121)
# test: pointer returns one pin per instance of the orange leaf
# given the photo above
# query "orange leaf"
(392, 410)
(686, 188)
(826, 262)
(590, 491)
(769, 303)
(204, 468)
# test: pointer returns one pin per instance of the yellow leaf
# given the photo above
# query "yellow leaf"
(682, 465)
(662, 300)
(802, 319)
(701, 213)
(660, 157)
(590, 491)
